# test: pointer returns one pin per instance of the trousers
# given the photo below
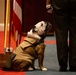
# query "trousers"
(65, 31)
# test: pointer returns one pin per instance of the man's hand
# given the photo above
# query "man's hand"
(49, 8)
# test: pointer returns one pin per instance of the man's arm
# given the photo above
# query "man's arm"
(48, 6)
(48, 2)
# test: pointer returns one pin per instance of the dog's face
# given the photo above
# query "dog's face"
(40, 30)
(42, 27)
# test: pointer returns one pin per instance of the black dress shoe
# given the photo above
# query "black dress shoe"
(72, 69)
(63, 69)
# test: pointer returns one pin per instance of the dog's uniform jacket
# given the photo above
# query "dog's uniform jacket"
(20, 54)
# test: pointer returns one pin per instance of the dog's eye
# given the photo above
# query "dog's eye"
(42, 24)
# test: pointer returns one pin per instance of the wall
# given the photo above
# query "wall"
(33, 12)
(2, 14)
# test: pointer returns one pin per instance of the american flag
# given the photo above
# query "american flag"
(16, 19)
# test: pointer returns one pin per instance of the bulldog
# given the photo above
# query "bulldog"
(32, 48)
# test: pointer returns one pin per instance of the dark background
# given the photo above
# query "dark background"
(33, 12)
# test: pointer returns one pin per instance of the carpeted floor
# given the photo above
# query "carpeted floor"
(51, 63)
(50, 60)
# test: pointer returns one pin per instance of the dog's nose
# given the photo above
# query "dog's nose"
(49, 26)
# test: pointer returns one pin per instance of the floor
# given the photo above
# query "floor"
(50, 61)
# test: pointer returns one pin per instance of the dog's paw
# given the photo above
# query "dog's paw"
(44, 69)
(30, 69)
(36, 67)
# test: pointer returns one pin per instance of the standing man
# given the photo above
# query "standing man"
(65, 27)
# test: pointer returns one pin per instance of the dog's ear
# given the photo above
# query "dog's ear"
(34, 29)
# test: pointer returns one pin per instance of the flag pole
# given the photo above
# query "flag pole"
(6, 23)
(9, 37)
